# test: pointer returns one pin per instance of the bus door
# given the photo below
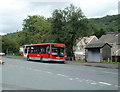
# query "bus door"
(45, 52)
(25, 51)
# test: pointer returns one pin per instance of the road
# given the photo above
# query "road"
(18, 74)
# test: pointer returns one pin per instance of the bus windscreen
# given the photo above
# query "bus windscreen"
(58, 51)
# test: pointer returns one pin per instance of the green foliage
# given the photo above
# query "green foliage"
(99, 33)
(68, 25)
(36, 29)
(110, 62)
(105, 24)
(82, 61)
(9, 45)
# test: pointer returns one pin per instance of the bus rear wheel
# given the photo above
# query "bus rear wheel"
(28, 59)
(42, 60)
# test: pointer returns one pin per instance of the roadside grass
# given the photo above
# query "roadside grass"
(13, 56)
(111, 62)
(83, 61)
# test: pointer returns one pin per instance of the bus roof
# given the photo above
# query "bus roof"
(45, 44)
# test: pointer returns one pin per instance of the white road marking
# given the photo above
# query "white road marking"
(105, 83)
(48, 72)
(87, 80)
(70, 78)
(111, 72)
(66, 76)
(59, 74)
(77, 78)
(93, 83)
(80, 81)
(62, 75)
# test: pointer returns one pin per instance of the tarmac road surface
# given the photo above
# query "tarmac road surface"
(18, 74)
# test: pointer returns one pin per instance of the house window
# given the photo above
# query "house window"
(82, 46)
(78, 47)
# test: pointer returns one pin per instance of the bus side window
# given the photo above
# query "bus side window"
(38, 51)
(42, 51)
(31, 51)
(48, 50)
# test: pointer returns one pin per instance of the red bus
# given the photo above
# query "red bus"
(45, 52)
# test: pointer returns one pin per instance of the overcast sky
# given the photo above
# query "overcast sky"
(13, 12)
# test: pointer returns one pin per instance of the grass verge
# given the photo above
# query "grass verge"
(83, 61)
(13, 56)
(111, 62)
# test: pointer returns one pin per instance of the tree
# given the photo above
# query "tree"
(9, 45)
(68, 25)
(99, 33)
(36, 29)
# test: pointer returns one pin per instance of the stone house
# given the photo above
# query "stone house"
(81, 43)
(114, 40)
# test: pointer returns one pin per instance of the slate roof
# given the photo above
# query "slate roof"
(96, 45)
(110, 38)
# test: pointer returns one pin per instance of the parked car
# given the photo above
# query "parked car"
(2, 54)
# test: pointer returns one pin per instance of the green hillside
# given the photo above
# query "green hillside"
(105, 24)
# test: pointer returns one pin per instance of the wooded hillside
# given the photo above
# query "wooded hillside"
(105, 24)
